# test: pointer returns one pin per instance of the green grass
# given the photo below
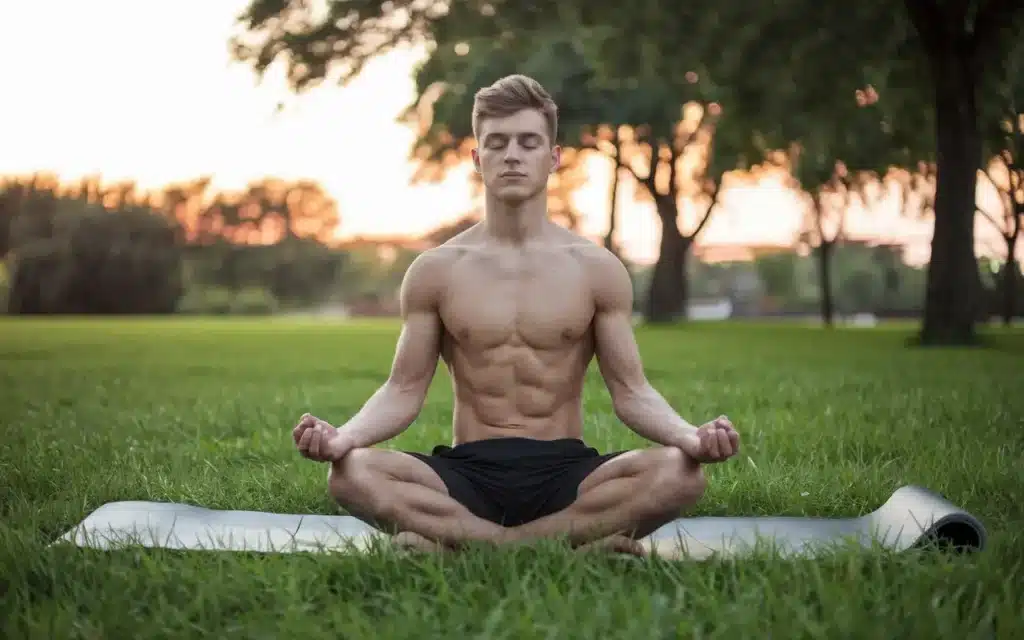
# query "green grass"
(200, 412)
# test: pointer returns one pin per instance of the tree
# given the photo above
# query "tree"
(826, 206)
(71, 255)
(927, 61)
(791, 54)
(642, 127)
(267, 211)
(838, 163)
(777, 273)
(1003, 144)
(962, 40)
(939, 54)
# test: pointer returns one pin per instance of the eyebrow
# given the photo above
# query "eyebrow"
(520, 134)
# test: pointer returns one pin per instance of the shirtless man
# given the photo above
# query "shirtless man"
(517, 306)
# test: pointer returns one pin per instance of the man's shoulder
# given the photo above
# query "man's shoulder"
(427, 275)
(442, 256)
(596, 257)
(460, 242)
(608, 277)
(590, 251)
(579, 246)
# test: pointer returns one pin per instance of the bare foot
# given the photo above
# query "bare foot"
(410, 541)
(615, 544)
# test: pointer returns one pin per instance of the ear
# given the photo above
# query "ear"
(556, 158)
(476, 160)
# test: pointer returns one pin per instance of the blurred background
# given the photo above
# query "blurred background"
(829, 162)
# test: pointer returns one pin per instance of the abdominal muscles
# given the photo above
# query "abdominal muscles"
(516, 390)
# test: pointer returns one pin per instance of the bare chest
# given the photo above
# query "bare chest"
(544, 303)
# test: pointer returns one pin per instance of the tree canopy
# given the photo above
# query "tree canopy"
(926, 59)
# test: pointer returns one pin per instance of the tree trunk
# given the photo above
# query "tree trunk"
(667, 294)
(953, 282)
(1010, 270)
(609, 239)
(825, 276)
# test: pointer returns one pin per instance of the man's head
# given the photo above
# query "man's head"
(515, 123)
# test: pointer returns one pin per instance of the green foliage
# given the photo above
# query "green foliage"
(777, 272)
(93, 248)
(217, 301)
(865, 279)
(369, 273)
(206, 300)
(786, 72)
(1002, 110)
(296, 272)
(266, 211)
(5, 287)
(253, 301)
(80, 258)
(997, 278)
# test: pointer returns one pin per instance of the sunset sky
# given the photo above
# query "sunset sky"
(146, 91)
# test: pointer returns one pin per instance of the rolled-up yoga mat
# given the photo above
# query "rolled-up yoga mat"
(913, 517)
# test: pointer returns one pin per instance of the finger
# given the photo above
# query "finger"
(711, 444)
(724, 446)
(307, 435)
(314, 443)
(303, 423)
(734, 439)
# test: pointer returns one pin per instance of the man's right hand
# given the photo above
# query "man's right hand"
(318, 440)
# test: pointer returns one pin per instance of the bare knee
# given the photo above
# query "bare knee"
(677, 482)
(354, 483)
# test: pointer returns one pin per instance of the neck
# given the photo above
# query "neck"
(516, 223)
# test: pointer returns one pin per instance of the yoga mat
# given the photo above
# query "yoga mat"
(912, 517)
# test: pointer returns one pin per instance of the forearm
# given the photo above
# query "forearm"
(647, 413)
(388, 412)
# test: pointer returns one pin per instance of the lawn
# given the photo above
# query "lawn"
(201, 412)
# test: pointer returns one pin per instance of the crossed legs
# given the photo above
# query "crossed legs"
(631, 495)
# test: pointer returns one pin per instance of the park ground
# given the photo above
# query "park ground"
(200, 411)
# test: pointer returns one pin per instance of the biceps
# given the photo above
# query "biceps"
(416, 354)
(618, 356)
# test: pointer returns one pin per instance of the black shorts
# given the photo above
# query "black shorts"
(512, 481)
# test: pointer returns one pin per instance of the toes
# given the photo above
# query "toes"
(409, 541)
(616, 545)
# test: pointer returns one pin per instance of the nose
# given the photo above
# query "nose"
(512, 152)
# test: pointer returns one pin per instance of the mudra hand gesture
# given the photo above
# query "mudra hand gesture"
(319, 441)
(714, 441)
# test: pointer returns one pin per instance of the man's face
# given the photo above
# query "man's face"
(514, 155)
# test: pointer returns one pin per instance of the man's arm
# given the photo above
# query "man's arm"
(395, 405)
(637, 404)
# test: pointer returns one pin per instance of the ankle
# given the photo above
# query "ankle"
(509, 535)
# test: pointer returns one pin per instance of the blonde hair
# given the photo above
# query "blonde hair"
(510, 95)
